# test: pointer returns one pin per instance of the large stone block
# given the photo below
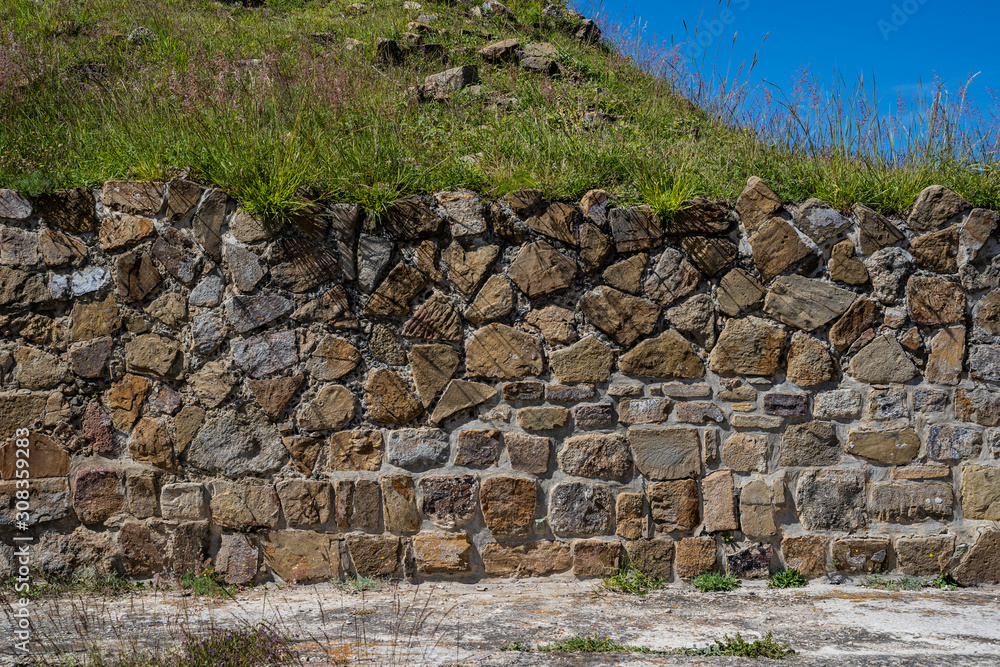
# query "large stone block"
(666, 453)
(831, 499)
(578, 508)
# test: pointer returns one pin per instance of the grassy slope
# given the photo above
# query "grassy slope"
(252, 100)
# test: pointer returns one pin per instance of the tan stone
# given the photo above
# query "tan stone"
(937, 251)
(595, 248)
(895, 446)
(273, 395)
(359, 449)
(935, 205)
(654, 558)
(556, 323)
(500, 351)
(389, 399)
(858, 318)
(243, 505)
(302, 556)
(186, 425)
(332, 408)
(635, 228)
(809, 362)
(738, 290)
(45, 457)
(117, 233)
(596, 558)
(709, 253)
(623, 317)
(776, 246)
(432, 366)
(674, 505)
(332, 358)
(806, 553)
(589, 360)
(392, 298)
(332, 308)
(666, 453)
(528, 453)
(125, 400)
(375, 555)
(508, 505)
(540, 269)
(981, 493)
(806, 303)
(899, 502)
(746, 452)
(944, 365)
(526, 560)
(756, 204)
(882, 361)
(982, 563)
(495, 300)
(151, 442)
(399, 504)
(719, 493)
(695, 555)
(305, 502)
(154, 355)
(934, 301)
(860, 555)
(435, 319)
(211, 385)
(135, 276)
(98, 494)
(467, 268)
(672, 277)
(61, 250)
(626, 275)
(38, 369)
(845, 267)
(595, 455)
(542, 419)
(460, 395)
(630, 516)
(669, 355)
(91, 320)
(748, 346)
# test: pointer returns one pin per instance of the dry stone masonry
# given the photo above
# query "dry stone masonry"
(502, 388)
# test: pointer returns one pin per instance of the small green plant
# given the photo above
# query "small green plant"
(515, 646)
(903, 583)
(208, 582)
(943, 580)
(666, 193)
(738, 647)
(727, 537)
(787, 578)
(361, 583)
(711, 582)
(631, 580)
(593, 644)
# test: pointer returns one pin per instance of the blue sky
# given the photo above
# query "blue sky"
(900, 42)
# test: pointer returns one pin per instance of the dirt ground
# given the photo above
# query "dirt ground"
(465, 624)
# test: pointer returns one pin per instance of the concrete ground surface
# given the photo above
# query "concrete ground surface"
(466, 623)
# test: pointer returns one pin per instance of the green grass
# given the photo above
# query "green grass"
(209, 583)
(944, 581)
(632, 581)
(361, 583)
(737, 646)
(244, 647)
(515, 646)
(787, 578)
(712, 582)
(266, 102)
(84, 581)
(593, 644)
(901, 583)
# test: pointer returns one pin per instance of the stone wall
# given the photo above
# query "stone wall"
(515, 387)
